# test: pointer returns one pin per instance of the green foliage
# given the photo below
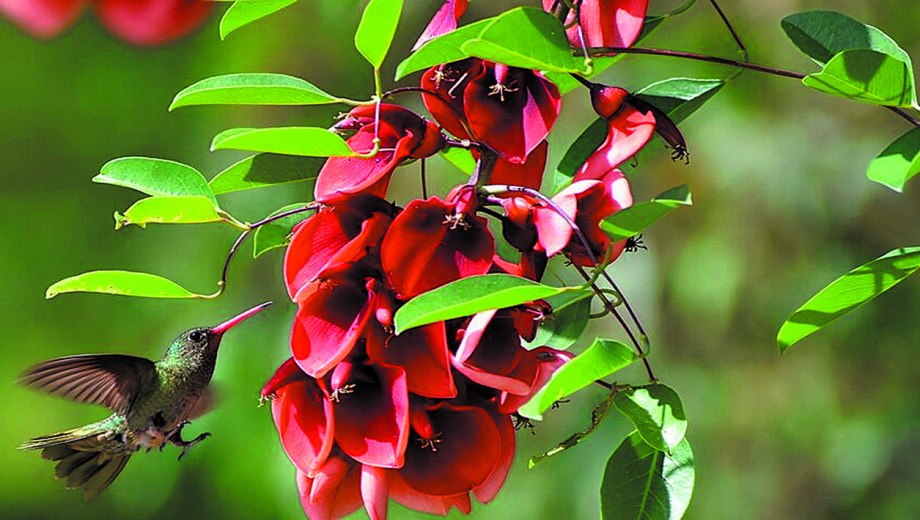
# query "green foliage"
(602, 358)
(123, 283)
(641, 482)
(178, 209)
(634, 219)
(376, 30)
(474, 294)
(292, 140)
(867, 76)
(462, 159)
(823, 34)
(443, 49)
(657, 413)
(597, 418)
(564, 326)
(680, 97)
(244, 12)
(847, 293)
(277, 233)
(252, 89)
(266, 169)
(156, 177)
(898, 163)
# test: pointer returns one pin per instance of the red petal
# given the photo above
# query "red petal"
(42, 18)
(435, 505)
(627, 133)
(607, 23)
(422, 352)
(372, 419)
(304, 421)
(449, 82)
(328, 324)
(374, 491)
(467, 452)
(312, 247)
(486, 491)
(547, 361)
(490, 353)
(444, 21)
(286, 374)
(152, 22)
(420, 250)
(344, 176)
(528, 174)
(334, 493)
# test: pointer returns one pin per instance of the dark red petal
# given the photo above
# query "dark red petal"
(435, 505)
(334, 493)
(152, 22)
(467, 451)
(422, 352)
(304, 421)
(42, 18)
(627, 133)
(328, 324)
(345, 176)
(374, 492)
(486, 491)
(528, 174)
(372, 417)
(449, 83)
(547, 360)
(490, 353)
(312, 247)
(286, 374)
(444, 21)
(422, 250)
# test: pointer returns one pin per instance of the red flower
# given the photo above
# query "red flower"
(604, 23)
(628, 130)
(508, 109)
(421, 352)
(490, 353)
(431, 243)
(444, 21)
(403, 135)
(546, 360)
(335, 491)
(140, 22)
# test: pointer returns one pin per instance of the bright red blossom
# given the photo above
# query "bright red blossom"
(603, 23)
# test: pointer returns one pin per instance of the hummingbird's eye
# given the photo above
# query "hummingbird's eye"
(196, 336)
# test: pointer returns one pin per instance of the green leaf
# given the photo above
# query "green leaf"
(589, 140)
(468, 296)
(443, 49)
(243, 13)
(376, 29)
(181, 209)
(461, 158)
(597, 417)
(563, 327)
(526, 37)
(823, 34)
(266, 169)
(634, 219)
(848, 292)
(277, 233)
(867, 76)
(641, 482)
(602, 358)
(155, 177)
(292, 140)
(680, 97)
(252, 89)
(124, 283)
(898, 163)
(657, 413)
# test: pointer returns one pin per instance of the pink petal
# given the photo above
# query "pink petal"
(444, 21)
(304, 421)
(374, 491)
(42, 18)
(152, 22)
(627, 133)
(334, 493)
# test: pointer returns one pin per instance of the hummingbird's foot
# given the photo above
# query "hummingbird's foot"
(186, 445)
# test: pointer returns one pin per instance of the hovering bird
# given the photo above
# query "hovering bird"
(151, 401)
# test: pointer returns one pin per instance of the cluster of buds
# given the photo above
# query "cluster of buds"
(426, 417)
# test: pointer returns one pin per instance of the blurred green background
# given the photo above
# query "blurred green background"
(781, 207)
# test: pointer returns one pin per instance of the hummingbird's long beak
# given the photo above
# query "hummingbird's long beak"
(236, 320)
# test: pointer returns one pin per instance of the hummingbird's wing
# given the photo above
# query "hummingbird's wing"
(111, 380)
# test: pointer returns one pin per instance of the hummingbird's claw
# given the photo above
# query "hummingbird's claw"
(188, 444)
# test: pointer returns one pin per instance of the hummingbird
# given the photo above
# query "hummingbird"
(151, 403)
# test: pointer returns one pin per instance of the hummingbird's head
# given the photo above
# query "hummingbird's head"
(206, 338)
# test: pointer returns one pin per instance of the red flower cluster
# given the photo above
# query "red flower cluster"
(425, 418)
(139, 22)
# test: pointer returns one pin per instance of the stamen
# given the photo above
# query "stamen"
(456, 221)
(500, 89)
(342, 390)
(450, 92)
(430, 443)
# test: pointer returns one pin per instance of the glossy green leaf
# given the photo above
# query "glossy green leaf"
(181, 209)
(634, 219)
(848, 292)
(602, 358)
(898, 163)
(589, 140)
(266, 169)
(292, 140)
(243, 13)
(680, 97)
(823, 34)
(526, 37)
(443, 49)
(376, 30)
(277, 233)
(563, 327)
(155, 177)
(252, 89)
(124, 283)
(657, 413)
(643, 483)
(468, 296)
(461, 158)
(867, 76)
